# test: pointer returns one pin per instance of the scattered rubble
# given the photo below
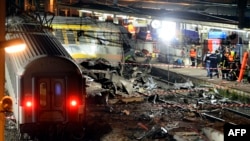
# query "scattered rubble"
(140, 107)
(186, 85)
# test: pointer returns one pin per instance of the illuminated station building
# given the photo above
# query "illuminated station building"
(156, 32)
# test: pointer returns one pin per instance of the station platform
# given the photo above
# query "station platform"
(198, 75)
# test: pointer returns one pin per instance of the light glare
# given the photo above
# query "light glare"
(28, 104)
(15, 48)
(167, 30)
(73, 103)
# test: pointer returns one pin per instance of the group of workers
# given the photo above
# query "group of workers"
(224, 62)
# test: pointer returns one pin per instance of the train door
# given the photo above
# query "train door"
(51, 99)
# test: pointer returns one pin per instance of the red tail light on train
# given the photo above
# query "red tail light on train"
(73, 103)
(28, 103)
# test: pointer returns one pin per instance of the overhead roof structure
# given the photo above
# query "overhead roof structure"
(235, 12)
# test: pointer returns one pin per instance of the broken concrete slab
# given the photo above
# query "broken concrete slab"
(213, 134)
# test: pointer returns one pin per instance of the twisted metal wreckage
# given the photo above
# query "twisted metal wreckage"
(127, 102)
(180, 101)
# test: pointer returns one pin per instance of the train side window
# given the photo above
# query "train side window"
(58, 94)
(43, 94)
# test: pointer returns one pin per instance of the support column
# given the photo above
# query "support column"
(2, 64)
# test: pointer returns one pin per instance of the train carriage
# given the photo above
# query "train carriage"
(84, 38)
(45, 83)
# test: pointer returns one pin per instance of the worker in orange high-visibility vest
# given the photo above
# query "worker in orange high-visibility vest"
(192, 55)
(231, 58)
(224, 65)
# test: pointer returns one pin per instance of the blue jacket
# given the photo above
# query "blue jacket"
(206, 57)
(213, 60)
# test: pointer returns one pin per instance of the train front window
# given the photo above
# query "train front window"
(58, 94)
(43, 94)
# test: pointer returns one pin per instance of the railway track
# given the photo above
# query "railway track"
(243, 111)
(173, 110)
(160, 115)
(229, 115)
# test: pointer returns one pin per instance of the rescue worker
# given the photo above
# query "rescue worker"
(213, 64)
(234, 67)
(130, 55)
(237, 62)
(192, 55)
(237, 65)
(207, 62)
(231, 57)
(224, 65)
(217, 71)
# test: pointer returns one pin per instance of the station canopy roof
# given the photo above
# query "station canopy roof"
(218, 11)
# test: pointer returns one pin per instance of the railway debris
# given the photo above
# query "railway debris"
(145, 108)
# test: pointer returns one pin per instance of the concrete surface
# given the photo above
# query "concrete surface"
(198, 76)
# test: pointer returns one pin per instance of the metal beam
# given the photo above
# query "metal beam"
(2, 65)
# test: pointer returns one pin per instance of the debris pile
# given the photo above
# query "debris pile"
(137, 106)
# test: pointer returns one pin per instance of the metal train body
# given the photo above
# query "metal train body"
(45, 83)
(86, 38)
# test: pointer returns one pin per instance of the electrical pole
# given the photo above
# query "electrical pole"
(2, 65)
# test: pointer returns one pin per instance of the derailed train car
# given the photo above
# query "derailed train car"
(86, 38)
(46, 85)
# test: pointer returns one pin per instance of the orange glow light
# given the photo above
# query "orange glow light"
(13, 45)
(16, 48)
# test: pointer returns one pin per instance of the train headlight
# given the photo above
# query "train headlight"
(6, 104)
